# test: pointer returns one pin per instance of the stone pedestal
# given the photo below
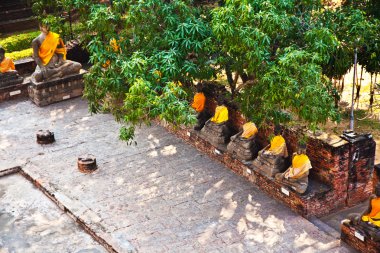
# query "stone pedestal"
(53, 91)
(358, 240)
(12, 86)
(360, 166)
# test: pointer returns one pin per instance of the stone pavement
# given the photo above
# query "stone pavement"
(159, 196)
(30, 222)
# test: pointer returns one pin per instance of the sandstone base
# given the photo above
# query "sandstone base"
(356, 239)
(53, 91)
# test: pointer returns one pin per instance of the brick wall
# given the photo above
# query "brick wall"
(366, 246)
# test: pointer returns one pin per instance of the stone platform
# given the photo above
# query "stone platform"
(12, 86)
(356, 239)
(57, 90)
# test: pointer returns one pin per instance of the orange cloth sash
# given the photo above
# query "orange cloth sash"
(199, 102)
(7, 65)
(277, 145)
(49, 47)
(374, 215)
(221, 114)
(300, 166)
(249, 129)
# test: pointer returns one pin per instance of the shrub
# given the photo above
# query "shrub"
(18, 42)
(16, 55)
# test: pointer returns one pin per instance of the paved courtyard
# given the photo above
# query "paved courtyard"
(159, 196)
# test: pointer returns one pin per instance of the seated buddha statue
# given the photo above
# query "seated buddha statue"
(198, 105)
(216, 130)
(297, 175)
(242, 144)
(369, 221)
(272, 159)
(8, 73)
(49, 52)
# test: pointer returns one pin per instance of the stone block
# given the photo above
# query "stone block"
(57, 90)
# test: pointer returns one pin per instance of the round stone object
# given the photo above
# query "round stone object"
(45, 137)
(87, 163)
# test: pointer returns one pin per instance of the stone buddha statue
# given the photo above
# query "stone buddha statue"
(369, 221)
(8, 73)
(216, 130)
(272, 159)
(198, 105)
(49, 52)
(242, 144)
(297, 175)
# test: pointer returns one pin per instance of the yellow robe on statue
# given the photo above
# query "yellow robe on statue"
(249, 129)
(278, 146)
(374, 215)
(6, 65)
(221, 114)
(300, 166)
(199, 102)
(49, 47)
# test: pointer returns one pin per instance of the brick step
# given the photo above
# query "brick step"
(15, 14)
(18, 25)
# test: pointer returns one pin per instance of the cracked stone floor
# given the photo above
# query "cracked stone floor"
(159, 196)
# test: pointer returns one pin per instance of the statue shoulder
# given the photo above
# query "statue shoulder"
(37, 40)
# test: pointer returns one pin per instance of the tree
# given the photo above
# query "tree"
(141, 70)
(146, 55)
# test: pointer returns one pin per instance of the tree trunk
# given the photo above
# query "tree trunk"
(230, 79)
(371, 93)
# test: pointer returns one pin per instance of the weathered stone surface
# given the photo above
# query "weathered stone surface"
(159, 196)
(30, 222)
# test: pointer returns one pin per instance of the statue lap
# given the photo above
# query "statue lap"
(269, 164)
(244, 149)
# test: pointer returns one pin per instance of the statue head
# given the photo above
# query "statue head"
(277, 130)
(2, 54)
(377, 190)
(45, 27)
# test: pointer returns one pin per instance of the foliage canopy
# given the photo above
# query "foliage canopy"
(147, 54)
